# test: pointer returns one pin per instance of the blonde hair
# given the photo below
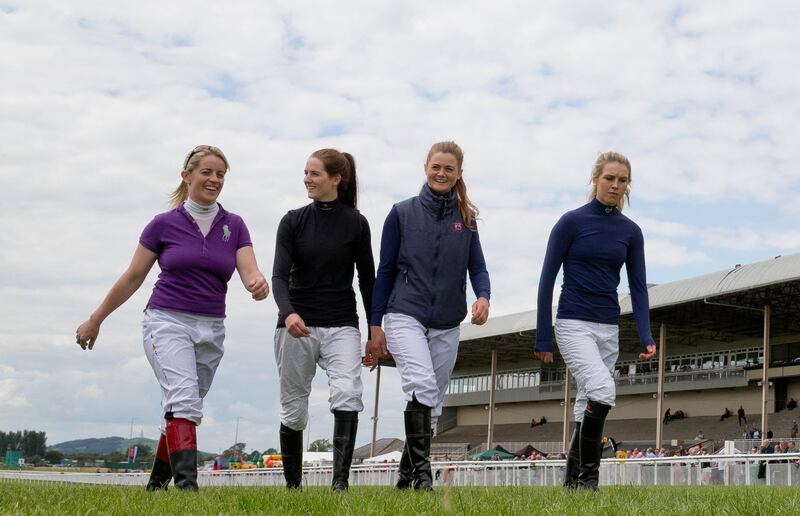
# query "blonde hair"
(469, 212)
(601, 161)
(181, 193)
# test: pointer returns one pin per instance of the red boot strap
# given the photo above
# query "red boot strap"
(162, 452)
(181, 435)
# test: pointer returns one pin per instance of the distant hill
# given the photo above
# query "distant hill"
(106, 445)
(102, 446)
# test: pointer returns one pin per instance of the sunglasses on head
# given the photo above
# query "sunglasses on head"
(200, 148)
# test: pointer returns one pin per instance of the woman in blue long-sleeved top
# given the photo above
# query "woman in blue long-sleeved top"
(592, 243)
(428, 245)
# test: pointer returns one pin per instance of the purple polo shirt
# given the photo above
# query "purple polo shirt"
(194, 270)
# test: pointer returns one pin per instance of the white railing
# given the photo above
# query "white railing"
(777, 469)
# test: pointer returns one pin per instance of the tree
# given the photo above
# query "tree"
(30, 442)
(54, 457)
(270, 451)
(116, 456)
(236, 447)
(144, 451)
(321, 445)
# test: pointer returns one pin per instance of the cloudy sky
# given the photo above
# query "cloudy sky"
(100, 103)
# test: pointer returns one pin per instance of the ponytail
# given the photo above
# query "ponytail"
(348, 187)
(469, 212)
(179, 195)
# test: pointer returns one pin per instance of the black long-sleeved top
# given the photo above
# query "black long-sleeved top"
(312, 275)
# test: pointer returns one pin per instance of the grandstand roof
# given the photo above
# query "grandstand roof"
(382, 447)
(690, 307)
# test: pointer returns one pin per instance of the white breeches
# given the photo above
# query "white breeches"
(590, 351)
(425, 358)
(337, 351)
(184, 351)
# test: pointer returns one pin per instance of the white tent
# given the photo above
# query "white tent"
(317, 457)
(386, 457)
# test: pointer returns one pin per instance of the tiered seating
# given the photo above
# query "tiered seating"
(631, 430)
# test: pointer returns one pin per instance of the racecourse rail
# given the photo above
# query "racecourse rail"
(775, 469)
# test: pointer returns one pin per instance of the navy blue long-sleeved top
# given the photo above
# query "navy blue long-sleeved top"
(592, 243)
(387, 268)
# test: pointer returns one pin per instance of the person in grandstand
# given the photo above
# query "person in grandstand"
(197, 244)
(316, 249)
(592, 243)
(428, 245)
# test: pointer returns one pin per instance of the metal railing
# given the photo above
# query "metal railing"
(774, 469)
(691, 367)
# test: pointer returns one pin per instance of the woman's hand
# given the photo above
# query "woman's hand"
(480, 311)
(141, 263)
(258, 287)
(86, 334)
(251, 276)
(296, 327)
(376, 349)
(544, 356)
(651, 352)
(371, 356)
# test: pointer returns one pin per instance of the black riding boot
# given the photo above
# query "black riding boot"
(573, 459)
(292, 456)
(345, 426)
(404, 478)
(418, 445)
(182, 445)
(405, 472)
(591, 445)
(161, 473)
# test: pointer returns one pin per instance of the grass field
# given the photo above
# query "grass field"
(19, 497)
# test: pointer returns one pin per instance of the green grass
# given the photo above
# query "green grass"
(20, 497)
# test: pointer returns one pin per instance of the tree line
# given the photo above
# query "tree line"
(30, 442)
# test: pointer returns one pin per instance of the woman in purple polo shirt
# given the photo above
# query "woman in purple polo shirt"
(197, 245)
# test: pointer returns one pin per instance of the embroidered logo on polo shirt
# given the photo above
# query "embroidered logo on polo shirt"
(457, 227)
(226, 233)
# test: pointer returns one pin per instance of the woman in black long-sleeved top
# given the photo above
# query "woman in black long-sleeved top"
(316, 249)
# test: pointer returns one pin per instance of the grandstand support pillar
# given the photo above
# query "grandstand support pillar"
(565, 437)
(662, 351)
(492, 379)
(375, 412)
(765, 372)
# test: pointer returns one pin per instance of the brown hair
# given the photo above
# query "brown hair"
(469, 212)
(344, 164)
(601, 161)
(181, 193)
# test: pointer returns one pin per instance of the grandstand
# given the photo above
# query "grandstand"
(726, 339)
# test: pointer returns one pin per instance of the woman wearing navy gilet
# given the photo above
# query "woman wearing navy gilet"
(316, 250)
(592, 243)
(198, 245)
(429, 242)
